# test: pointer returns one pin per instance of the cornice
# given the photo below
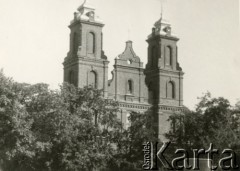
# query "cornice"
(85, 22)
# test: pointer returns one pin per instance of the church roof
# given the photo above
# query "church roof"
(86, 12)
(129, 53)
(162, 27)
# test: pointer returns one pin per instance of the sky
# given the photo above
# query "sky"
(34, 39)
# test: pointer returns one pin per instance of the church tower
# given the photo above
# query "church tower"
(159, 86)
(164, 76)
(86, 63)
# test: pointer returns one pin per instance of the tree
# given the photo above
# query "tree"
(214, 121)
(129, 154)
(42, 129)
(16, 138)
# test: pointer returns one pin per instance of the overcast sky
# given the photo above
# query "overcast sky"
(34, 39)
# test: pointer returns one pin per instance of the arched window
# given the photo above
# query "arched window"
(170, 90)
(154, 54)
(71, 77)
(75, 43)
(92, 79)
(130, 87)
(168, 56)
(91, 43)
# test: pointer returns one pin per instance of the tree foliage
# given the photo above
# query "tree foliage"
(42, 129)
(75, 129)
(129, 154)
(214, 121)
(68, 129)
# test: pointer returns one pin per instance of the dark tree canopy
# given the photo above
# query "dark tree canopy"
(75, 129)
(66, 129)
(214, 121)
(69, 129)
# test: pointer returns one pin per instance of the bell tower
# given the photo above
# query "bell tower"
(86, 63)
(164, 76)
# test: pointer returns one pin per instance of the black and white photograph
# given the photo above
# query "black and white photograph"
(119, 85)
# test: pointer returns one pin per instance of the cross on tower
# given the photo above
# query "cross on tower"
(162, 7)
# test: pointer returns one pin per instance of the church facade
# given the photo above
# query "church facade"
(158, 85)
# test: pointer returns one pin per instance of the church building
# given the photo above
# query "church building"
(135, 87)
